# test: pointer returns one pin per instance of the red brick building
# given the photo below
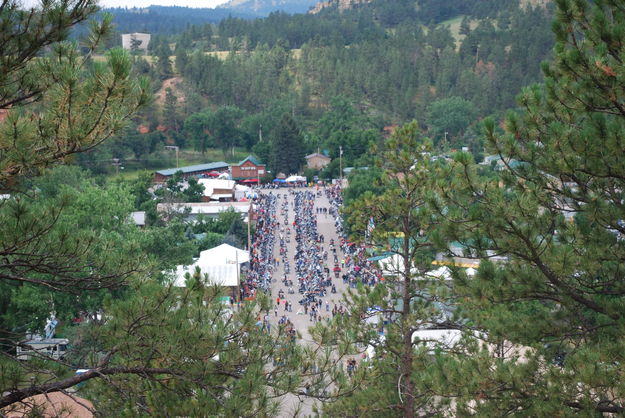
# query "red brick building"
(248, 169)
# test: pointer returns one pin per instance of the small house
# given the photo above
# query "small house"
(317, 161)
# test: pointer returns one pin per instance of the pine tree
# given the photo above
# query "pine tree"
(409, 297)
(287, 151)
(155, 349)
(554, 213)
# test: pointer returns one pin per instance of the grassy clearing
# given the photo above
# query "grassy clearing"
(454, 27)
(167, 159)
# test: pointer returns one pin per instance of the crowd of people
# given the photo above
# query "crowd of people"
(316, 262)
(290, 256)
(261, 269)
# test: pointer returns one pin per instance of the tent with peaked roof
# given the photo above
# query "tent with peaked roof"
(224, 254)
(220, 264)
(226, 275)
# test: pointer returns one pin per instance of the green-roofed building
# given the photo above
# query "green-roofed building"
(250, 169)
(198, 170)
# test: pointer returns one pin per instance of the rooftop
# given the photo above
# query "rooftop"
(193, 168)
(251, 159)
(207, 208)
(317, 154)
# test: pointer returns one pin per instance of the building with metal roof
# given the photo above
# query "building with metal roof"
(199, 170)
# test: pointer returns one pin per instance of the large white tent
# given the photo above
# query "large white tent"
(218, 188)
(393, 266)
(224, 254)
(223, 275)
(221, 264)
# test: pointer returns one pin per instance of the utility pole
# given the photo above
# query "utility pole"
(176, 148)
(117, 163)
(249, 235)
(341, 163)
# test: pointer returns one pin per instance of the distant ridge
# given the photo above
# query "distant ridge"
(340, 4)
(265, 7)
(169, 19)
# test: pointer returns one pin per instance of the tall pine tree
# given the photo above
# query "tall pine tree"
(555, 214)
(287, 153)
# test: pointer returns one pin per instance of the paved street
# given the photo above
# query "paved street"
(300, 320)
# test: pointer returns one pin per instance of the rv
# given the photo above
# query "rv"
(54, 348)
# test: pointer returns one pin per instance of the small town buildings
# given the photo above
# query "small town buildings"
(249, 169)
(199, 170)
(137, 41)
(191, 211)
(317, 161)
(218, 189)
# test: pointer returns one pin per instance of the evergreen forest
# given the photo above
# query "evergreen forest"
(343, 76)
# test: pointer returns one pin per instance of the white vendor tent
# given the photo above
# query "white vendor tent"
(224, 254)
(223, 275)
(240, 191)
(219, 263)
(433, 338)
(393, 266)
(293, 179)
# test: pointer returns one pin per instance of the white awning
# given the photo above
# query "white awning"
(217, 196)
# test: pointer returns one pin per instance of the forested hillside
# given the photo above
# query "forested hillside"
(447, 65)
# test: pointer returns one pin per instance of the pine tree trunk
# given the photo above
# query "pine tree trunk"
(406, 386)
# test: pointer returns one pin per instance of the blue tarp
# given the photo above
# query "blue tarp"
(380, 257)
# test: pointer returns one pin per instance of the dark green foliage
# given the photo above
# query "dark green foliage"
(557, 299)
(287, 148)
(448, 118)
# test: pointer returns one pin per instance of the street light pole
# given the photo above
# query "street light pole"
(117, 163)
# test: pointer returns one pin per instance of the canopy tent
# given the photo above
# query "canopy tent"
(223, 275)
(432, 338)
(279, 180)
(213, 173)
(380, 257)
(244, 192)
(440, 273)
(393, 265)
(224, 254)
(294, 179)
(219, 263)
(250, 181)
